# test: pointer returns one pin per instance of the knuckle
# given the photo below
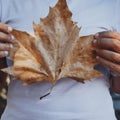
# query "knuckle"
(115, 67)
(114, 57)
(116, 35)
(6, 46)
(117, 58)
(118, 68)
(1, 47)
(99, 42)
(7, 37)
(4, 36)
(116, 45)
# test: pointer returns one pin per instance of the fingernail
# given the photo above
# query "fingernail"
(97, 50)
(12, 37)
(10, 29)
(97, 57)
(11, 46)
(6, 53)
(96, 35)
(94, 41)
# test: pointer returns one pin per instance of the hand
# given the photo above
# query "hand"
(6, 39)
(108, 50)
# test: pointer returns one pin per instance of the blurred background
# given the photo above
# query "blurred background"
(116, 103)
(3, 96)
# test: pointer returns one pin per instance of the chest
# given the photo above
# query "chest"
(90, 15)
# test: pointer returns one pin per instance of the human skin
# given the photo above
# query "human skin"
(107, 43)
(108, 49)
(108, 54)
(6, 39)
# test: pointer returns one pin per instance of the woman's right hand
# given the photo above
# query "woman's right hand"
(6, 39)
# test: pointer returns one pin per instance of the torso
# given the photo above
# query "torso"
(69, 99)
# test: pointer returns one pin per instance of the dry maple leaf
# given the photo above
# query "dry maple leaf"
(56, 51)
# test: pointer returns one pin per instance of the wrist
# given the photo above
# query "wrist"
(3, 75)
(2, 59)
(115, 83)
(3, 63)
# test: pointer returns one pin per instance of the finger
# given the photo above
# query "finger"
(109, 55)
(108, 43)
(112, 66)
(5, 28)
(108, 34)
(105, 43)
(6, 38)
(3, 54)
(5, 46)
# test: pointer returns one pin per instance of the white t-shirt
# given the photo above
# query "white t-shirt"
(69, 100)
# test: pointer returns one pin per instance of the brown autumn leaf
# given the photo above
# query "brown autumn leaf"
(56, 51)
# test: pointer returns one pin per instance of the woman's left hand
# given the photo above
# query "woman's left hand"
(108, 49)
